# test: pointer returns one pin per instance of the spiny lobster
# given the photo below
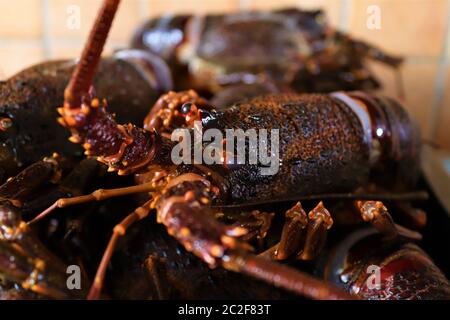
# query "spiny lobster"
(329, 143)
(210, 52)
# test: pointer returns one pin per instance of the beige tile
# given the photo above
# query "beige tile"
(62, 50)
(157, 7)
(20, 18)
(419, 84)
(62, 18)
(331, 7)
(66, 51)
(16, 57)
(409, 27)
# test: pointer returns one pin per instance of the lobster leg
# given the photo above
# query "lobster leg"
(98, 195)
(258, 224)
(24, 260)
(31, 178)
(292, 235)
(12, 194)
(119, 231)
(32, 274)
(377, 214)
(302, 235)
(415, 216)
(319, 222)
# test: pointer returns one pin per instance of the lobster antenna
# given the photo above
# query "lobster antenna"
(84, 72)
(287, 278)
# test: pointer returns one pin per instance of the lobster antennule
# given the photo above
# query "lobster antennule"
(83, 75)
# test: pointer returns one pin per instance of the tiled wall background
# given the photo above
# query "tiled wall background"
(34, 30)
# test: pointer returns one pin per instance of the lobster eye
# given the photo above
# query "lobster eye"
(186, 108)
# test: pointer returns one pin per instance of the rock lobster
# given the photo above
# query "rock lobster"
(209, 52)
(329, 143)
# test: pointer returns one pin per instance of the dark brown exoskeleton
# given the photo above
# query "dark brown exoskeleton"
(210, 52)
(29, 98)
(328, 144)
(27, 268)
(27, 134)
(373, 267)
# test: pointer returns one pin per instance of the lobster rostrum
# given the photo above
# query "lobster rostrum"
(209, 52)
(329, 143)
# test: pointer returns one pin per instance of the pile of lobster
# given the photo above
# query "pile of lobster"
(203, 230)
